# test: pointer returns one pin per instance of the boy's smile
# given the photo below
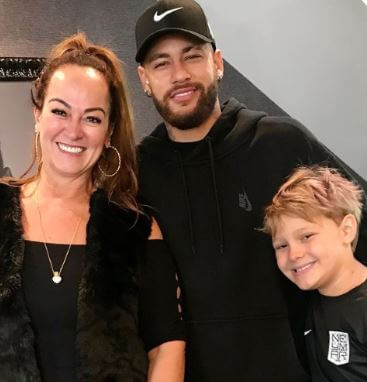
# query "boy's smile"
(314, 255)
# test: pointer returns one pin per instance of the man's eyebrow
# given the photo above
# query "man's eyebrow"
(192, 47)
(156, 56)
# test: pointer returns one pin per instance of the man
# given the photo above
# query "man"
(208, 172)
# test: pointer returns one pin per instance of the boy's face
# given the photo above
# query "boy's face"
(312, 254)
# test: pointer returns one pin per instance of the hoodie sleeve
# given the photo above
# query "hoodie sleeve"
(160, 313)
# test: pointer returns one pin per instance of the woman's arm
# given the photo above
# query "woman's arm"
(167, 360)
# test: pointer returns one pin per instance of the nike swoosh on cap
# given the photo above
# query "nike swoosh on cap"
(307, 332)
(158, 17)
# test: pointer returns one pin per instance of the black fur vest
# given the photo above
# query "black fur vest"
(108, 346)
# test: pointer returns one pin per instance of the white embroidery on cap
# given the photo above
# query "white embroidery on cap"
(157, 18)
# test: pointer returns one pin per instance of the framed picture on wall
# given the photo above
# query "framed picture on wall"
(20, 68)
(17, 126)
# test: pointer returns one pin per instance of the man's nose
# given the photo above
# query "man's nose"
(180, 73)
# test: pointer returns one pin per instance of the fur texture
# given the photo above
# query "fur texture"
(108, 346)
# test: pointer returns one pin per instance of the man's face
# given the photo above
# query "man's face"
(182, 75)
(314, 254)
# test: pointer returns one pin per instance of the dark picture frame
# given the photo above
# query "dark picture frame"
(20, 68)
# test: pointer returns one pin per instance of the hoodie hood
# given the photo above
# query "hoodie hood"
(235, 126)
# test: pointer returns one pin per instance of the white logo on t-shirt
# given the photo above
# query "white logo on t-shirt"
(339, 348)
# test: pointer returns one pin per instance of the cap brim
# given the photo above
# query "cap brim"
(145, 45)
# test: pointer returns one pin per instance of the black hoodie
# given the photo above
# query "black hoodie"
(244, 320)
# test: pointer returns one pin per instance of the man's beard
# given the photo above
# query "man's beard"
(202, 111)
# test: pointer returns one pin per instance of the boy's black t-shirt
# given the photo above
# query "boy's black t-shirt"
(336, 336)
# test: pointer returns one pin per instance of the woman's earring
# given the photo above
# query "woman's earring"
(109, 146)
(36, 140)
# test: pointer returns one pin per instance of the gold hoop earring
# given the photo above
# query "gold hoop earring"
(119, 163)
(36, 139)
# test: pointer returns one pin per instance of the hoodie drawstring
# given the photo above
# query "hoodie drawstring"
(217, 205)
(219, 215)
(187, 202)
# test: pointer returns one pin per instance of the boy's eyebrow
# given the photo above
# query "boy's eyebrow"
(302, 229)
(276, 240)
(295, 232)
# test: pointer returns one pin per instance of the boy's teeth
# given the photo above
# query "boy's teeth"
(70, 149)
(303, 268)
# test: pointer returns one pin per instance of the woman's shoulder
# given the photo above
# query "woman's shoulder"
(155, 233)
(10, 210)
(8, 194)
(108, 215)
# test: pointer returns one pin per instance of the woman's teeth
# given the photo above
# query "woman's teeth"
(70, 149)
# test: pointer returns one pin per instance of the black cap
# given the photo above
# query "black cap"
(171, 16)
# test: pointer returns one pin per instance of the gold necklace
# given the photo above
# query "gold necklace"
(56, 275)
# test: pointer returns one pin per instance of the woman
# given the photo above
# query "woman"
(71, 239)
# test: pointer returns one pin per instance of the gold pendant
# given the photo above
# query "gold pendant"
(56, 278)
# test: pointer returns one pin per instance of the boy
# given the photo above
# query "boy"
(313, 220)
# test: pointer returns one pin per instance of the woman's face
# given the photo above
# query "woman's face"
(73, 122)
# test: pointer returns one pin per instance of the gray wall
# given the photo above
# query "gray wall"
(307, 56)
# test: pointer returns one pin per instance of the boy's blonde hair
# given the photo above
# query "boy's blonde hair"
(314, 191)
